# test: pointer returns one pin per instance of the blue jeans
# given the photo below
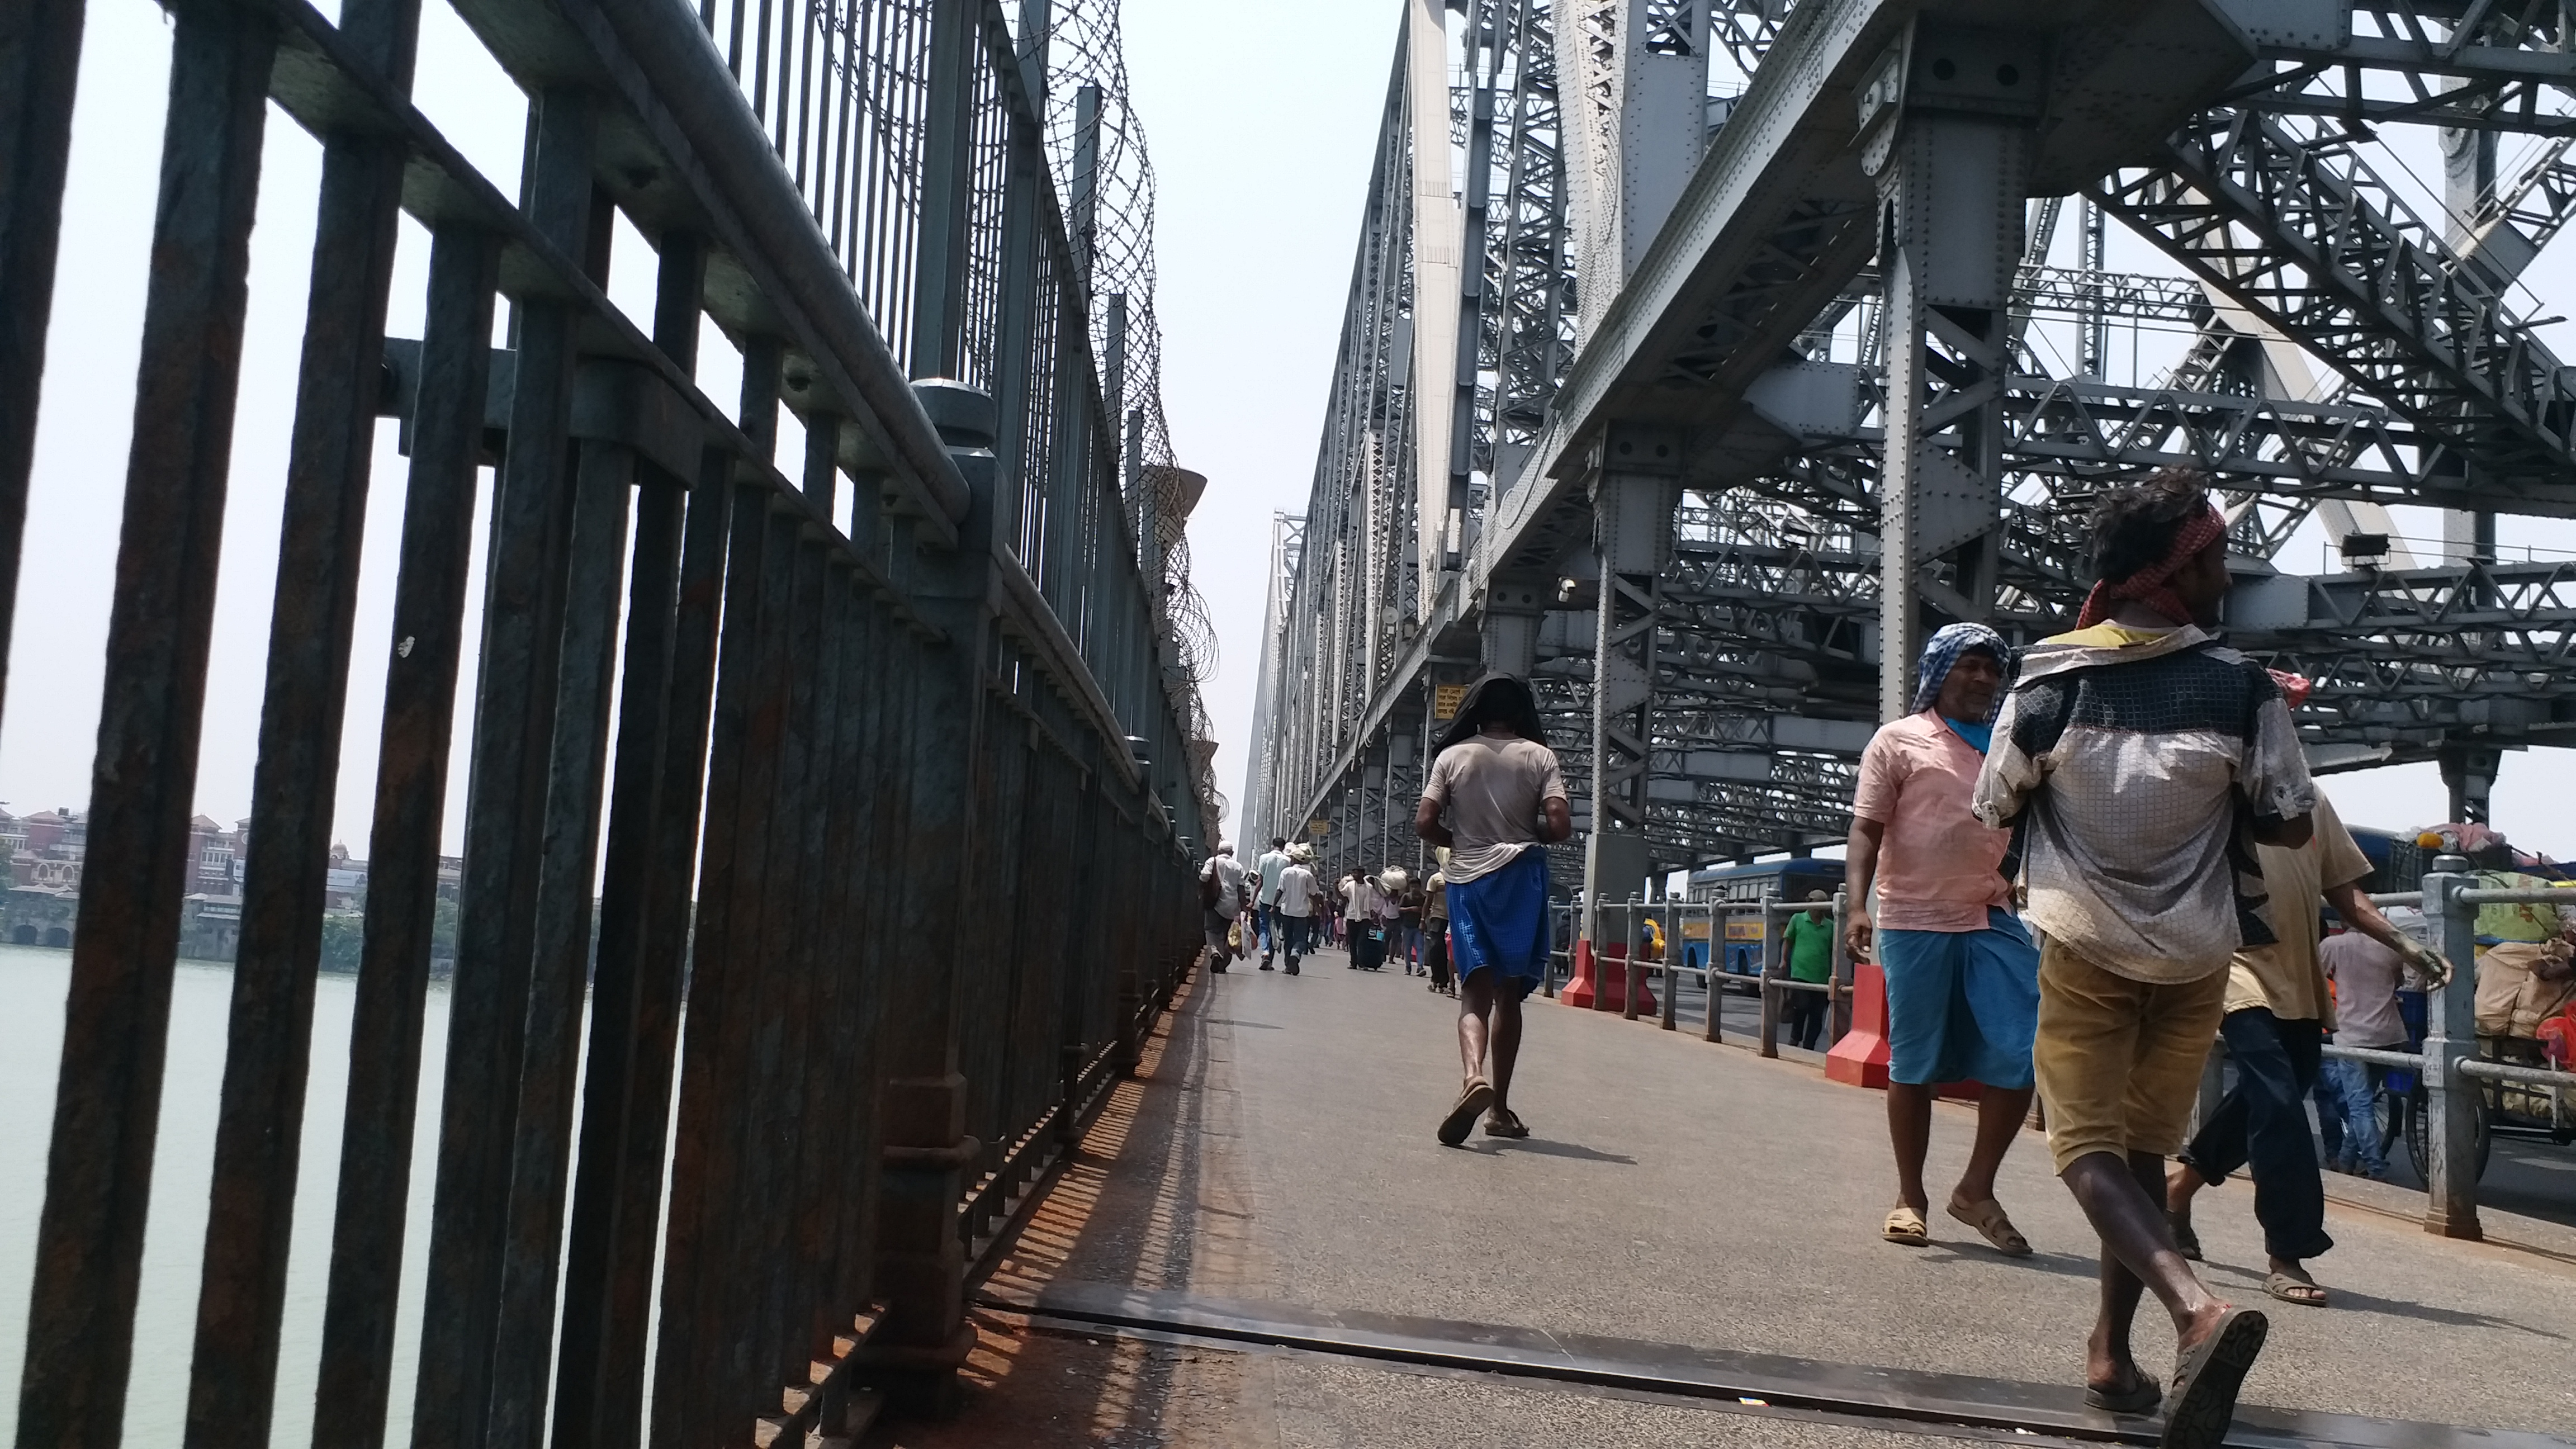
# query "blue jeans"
(2355, 1087)
(1261, 927)
(2262, 1124)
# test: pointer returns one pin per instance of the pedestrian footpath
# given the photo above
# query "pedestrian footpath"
(1675, 1192)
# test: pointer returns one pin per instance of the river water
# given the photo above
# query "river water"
(33, 981)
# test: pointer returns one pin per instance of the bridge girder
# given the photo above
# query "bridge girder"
(2435, 393)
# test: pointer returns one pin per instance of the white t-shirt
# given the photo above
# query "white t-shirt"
(1297, 891)
(1492, 789)
(1229, 883)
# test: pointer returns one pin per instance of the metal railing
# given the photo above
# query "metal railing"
(896, 813)
(1623, 920)
(2449, 1065)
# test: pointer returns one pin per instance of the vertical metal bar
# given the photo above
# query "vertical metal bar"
(941, 256)
(576, 775)
(89, 1245)
(1672, 980)
(1839, 1020)
(766, 1259)
(505, 816)
(1720, 920)
(822, 464)
(664, 952)
(1771, 975)
(1633, 974)
(724, 947)
(2451, 1037)
(634, 993)
(817, 1088)
(403, 854)
(1714, 976)
(40, 48)
(259, 1127)
(850, 976)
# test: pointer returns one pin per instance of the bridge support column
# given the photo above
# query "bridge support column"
(1514, 607)
(1951, 157)
(920, 1257)
(2470, 772)
(1633, 499)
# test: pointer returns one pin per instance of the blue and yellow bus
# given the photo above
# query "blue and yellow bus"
(1749, 937)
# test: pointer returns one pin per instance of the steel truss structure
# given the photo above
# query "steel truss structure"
(2348, 351)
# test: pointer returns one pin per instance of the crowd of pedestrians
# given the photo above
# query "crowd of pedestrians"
(2076, 866)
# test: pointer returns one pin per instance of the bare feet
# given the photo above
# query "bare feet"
(2181, 1186)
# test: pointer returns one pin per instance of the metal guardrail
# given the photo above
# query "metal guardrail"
(2449, 1065)
(1771, 982)
(870, 782)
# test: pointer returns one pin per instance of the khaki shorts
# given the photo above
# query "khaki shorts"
(2118, 1061)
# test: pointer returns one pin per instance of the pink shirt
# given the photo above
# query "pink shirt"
(1938, 865)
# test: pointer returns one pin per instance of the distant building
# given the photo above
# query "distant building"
(43, 854)
(45, 851)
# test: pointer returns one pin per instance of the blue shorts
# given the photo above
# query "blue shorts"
(1498, 922)
(1962, 1006)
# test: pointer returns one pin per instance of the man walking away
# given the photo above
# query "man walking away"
(1808, 941)
(1265, 896)
(1354, 919)
(1299, 899)
(2278, 1014)
(2139, 755)
(1408, 918)
(1497, 783)
(1221, 901)
(1361, 921)
(2365, 974)
(1962, 975)
(1435, 932)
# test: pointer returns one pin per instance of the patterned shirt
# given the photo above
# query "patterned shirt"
(2139, 763)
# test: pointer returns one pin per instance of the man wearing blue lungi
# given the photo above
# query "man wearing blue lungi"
(1497, 783)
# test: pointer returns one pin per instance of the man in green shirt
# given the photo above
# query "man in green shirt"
(1808, 940)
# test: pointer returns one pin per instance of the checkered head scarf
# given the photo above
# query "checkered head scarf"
(1943, 650)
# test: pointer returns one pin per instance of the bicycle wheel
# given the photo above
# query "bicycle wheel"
(2418, 1129)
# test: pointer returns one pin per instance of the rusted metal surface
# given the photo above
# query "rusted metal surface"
(251, 1206)
(368, 1222)
(89, 1243)
(866, 819)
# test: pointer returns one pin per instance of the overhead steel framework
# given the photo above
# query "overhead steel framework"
(1702, 354)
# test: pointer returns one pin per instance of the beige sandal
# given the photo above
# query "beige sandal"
(1989, 1219)
(1905, 1225)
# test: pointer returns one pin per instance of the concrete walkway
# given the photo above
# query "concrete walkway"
(1684, 1193)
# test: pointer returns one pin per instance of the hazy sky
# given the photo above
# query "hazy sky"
(1261, 119)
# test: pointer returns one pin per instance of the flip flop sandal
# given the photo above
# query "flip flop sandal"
(2138, 1398)
(1905, 1225)
(2206, 1380)
(2183, 1236)
(2295, 1290)
(1462, 1117)
(1504, 1123)
(1989, 1219)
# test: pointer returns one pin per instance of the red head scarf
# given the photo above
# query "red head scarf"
(2153, 585)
